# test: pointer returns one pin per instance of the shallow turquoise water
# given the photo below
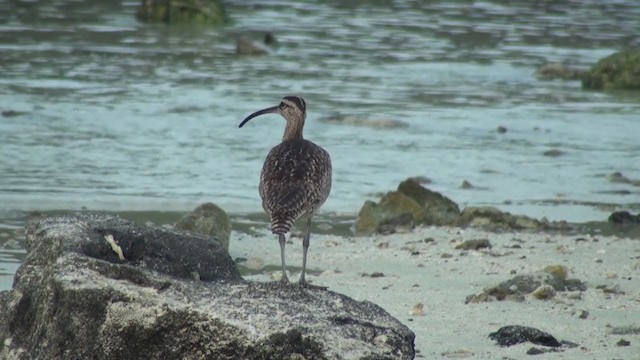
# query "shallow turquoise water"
(120, 115)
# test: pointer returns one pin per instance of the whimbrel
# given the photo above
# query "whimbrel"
(295, 179)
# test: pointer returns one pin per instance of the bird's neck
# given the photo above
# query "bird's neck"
(293, 130)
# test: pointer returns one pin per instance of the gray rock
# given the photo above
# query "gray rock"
(77, 296)
(493, 219)
(208, 219)
(520, 285)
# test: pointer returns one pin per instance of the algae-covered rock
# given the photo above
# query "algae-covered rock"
(208, 219)
(392, 206)
(426, 207)
(492, 218)
(620, 70)
(552, 71)
(438, 209)
(202, 12)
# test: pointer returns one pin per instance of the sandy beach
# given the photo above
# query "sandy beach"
(423, 267)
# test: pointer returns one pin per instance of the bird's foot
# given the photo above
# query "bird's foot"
(284, 280)
(303, 283)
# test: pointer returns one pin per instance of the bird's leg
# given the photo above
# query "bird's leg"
(305, 247)
(282, 240)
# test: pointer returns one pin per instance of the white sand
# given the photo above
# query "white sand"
(450, 328)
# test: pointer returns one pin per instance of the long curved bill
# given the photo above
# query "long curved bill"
(270, 110)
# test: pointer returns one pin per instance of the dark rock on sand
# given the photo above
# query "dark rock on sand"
(619, 71)
(623, 217)
(516, 334)
(208, 219)
(136, 296)
(623, 342)
(201, 12)
(425, 207)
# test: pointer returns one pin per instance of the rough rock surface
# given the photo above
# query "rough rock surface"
(551, 71)
(75, 297)
(491, 218)
(210, 12)
(425, 206)
(520, 285)
(516, 334)
(412, 204)
(208, 219)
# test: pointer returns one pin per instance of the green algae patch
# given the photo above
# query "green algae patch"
(619, 71)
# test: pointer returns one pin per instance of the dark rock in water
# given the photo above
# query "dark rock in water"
(81, 296)
(364, 121)
(501, 129)
(203, 12)
(208, 219)
(620, 71)
(246, 46)
(623, 217)
(618, 178)
(551, 71)
(466, 185)
(553, 153)
(425, 206)
(516, 334)
(12, 113)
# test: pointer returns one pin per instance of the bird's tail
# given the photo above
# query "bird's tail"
(281, 225)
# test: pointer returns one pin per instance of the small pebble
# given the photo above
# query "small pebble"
(611, 275)
(544, 292)
(331, 243)
(584, 314)
(417, 310)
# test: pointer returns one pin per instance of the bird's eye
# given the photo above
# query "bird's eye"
(283, 105)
